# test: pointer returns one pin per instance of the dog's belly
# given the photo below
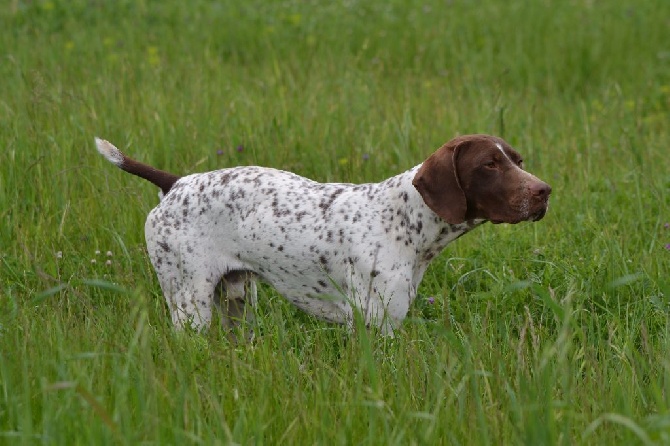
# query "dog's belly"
(314, 293)
(328, 308)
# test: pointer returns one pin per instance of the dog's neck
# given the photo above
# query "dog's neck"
(416, 224)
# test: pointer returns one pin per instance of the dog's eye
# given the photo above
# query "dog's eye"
(490, 164)
(520, 163)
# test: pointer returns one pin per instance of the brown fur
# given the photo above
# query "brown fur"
(470, 178)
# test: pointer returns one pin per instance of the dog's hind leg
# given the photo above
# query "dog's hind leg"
(188, 286)
(192, 301)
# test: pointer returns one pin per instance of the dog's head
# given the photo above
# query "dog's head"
(481, 177)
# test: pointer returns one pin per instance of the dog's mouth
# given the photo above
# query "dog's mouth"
(538, 215)
(535, 216)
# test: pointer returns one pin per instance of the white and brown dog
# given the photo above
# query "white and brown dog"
(331, 248)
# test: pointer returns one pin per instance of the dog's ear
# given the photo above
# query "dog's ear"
(438, 183)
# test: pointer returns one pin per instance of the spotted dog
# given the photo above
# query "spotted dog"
(331, 249)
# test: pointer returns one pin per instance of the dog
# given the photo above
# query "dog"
(331, 249)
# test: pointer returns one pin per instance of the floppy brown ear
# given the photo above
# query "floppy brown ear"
(437, 182)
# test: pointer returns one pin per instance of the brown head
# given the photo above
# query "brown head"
(480, 177)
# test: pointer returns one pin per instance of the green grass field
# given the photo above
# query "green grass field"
(556, 332)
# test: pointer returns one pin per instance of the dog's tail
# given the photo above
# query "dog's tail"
(164, 180)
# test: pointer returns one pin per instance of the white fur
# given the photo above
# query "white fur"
(330, 249)
(109, 151)
(504, 154)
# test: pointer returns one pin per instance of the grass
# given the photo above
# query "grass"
(547, 333)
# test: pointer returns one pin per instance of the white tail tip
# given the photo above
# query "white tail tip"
(109, 151)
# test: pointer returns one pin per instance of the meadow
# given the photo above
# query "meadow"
(556, 332)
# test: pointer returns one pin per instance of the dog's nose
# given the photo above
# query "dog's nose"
(540, 189)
